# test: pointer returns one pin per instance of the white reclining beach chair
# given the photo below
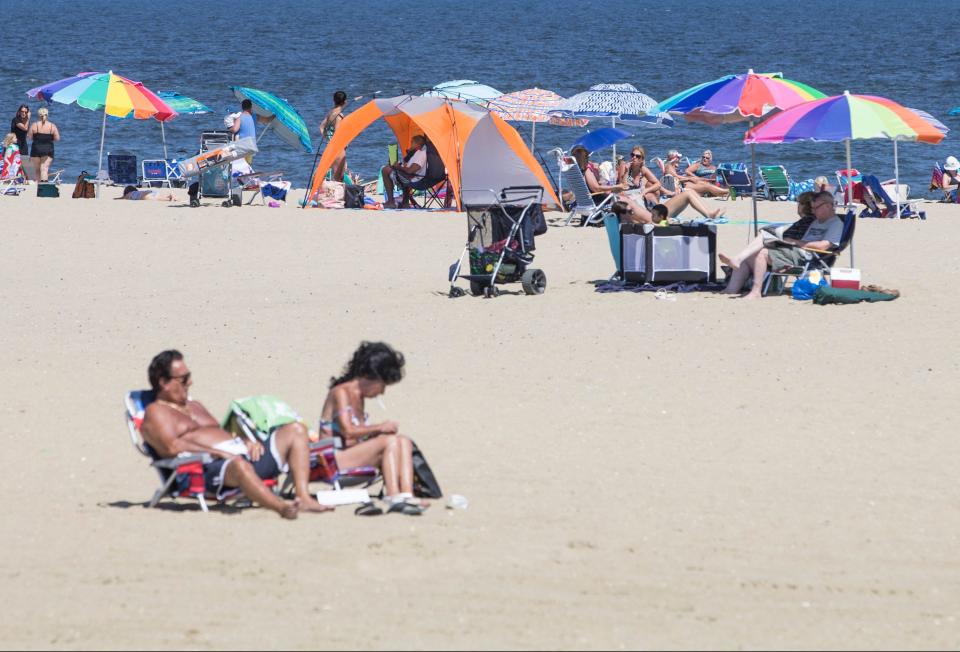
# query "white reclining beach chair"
(572, 179)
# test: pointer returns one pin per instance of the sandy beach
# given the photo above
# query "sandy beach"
(641, 473)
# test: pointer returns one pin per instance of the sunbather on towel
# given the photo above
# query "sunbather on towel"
(374, 367)
(175, 424)
(631, 212)
(768, 252)
(131, 193)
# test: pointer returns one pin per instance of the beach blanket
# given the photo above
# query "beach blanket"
(267, 412)
(678, 288)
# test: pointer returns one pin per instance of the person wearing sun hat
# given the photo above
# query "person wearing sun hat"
(950, 183)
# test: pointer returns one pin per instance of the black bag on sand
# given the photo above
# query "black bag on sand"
(425, 484)
(45, 189)
(353, 196)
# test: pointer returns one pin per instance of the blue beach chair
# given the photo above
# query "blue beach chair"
(821, 261)
(907, 209)
(738, 181)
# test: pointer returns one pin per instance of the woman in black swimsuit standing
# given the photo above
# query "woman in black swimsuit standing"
(43, 133)
(19, 126)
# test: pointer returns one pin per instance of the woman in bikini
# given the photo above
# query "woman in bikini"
(636, 174)
(43, 133)
(703, 168)
(373, 367)
(329, 127)
(692, 181)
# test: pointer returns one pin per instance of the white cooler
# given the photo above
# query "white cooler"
(845, 277)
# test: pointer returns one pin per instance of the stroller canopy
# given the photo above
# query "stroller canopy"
(480, 151)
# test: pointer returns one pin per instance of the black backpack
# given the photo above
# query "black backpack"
(353, 196)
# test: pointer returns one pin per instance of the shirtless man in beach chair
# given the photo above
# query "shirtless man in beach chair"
(174, 424)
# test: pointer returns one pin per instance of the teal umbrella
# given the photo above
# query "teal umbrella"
(288, 123)
(182, 105)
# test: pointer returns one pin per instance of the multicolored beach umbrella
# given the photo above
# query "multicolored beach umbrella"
(740, 98)
(465, 90)
(288, 124)
(532, 105)
(113, 94)
(847, 117)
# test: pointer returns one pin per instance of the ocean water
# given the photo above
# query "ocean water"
(304, 51)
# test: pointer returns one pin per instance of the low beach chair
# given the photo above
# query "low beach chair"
(154, 173)
(842, 178)
(819, 260)
(948, 196)
(122, 169)
(881, 195)
(573, 181)
(434, 182)
(776, 182)
(738, 181)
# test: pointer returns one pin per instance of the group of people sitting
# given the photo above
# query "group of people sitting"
(174, 423)
(640, 197)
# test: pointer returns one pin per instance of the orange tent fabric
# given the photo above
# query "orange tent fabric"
(479, 149)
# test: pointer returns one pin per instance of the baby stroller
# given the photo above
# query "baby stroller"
(500, 243)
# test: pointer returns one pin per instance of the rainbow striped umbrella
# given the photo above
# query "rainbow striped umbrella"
(738, 98)
(844, 118)
(108, 92)
(532, 105)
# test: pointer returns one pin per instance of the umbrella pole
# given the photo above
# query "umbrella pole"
(896, 174)
(533, 138)
(613, 123)
(264, 132)
(163, 135)
(753, 184)
(103, 130)
(850, 192)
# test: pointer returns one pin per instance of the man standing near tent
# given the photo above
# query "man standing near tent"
(410, 170)
(245, 126)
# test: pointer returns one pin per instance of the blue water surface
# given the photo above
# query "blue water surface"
(304, 51)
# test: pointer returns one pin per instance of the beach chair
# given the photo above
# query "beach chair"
(153, 173)
(819, 260)
(776, 182)
(855, 178)
(738, 181)
(122, 169)
(264, 185)
(323, 461)
(572, 180)
(936, 184)
(881, 194)
(612, 225)
(434, 182)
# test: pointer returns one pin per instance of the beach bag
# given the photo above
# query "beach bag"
(331, 194)
(804, 289)
(827, 295)
(84, 189)
(48, 190)
(425, 484)
(353, 196)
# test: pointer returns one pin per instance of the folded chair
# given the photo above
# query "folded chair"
(572, 180)
(819, 260)
(880, 194)
(776, 181)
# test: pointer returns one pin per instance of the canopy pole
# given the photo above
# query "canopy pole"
(163, 135)
(896, 174)
(103, 130)
(753, 184)
(313, 171)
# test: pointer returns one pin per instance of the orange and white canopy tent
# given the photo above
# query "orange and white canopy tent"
(480, 151)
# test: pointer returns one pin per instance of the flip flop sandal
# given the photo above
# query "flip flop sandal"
(405, 508)
(368, 509)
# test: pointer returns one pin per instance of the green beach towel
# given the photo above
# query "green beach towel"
(826, 294)
(267, 412)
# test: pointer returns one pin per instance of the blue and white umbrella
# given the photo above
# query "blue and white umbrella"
(465, 90)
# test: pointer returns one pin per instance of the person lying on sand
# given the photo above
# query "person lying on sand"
(131, 193)
(175, 424)
(631, 212)
(373, 367)
(768, 252)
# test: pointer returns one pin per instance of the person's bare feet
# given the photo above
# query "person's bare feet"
(309, 504)
(389, 204)
(753, 295)
(728, 261)
(717, 213)
(290, 509)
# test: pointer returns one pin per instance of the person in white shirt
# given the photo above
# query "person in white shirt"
(768, 252)
(410, 170)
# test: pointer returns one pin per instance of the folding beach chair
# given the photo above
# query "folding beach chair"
(122, 169)
(573, 180)
(819, 260)
(936, 184)
(855, 178)
(264, 185)
(154, 173)
(323, 462)
(434, 181)
(776, 182)
(612, 225)
(880, 194)
(738, 181)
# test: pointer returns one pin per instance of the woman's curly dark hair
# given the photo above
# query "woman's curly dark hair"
(373, 361)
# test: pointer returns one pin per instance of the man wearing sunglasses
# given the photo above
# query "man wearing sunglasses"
(174, 424)
(823, 234)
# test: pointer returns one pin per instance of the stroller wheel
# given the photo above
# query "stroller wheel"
(534, 281)
(476, 288)
(455, 292)
(491, 291)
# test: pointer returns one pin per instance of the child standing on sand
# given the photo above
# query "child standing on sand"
(373, 367)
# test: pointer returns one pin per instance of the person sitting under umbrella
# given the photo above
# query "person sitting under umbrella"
(636, 174)
(410, 170)
(769, 252)
(691, 181)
